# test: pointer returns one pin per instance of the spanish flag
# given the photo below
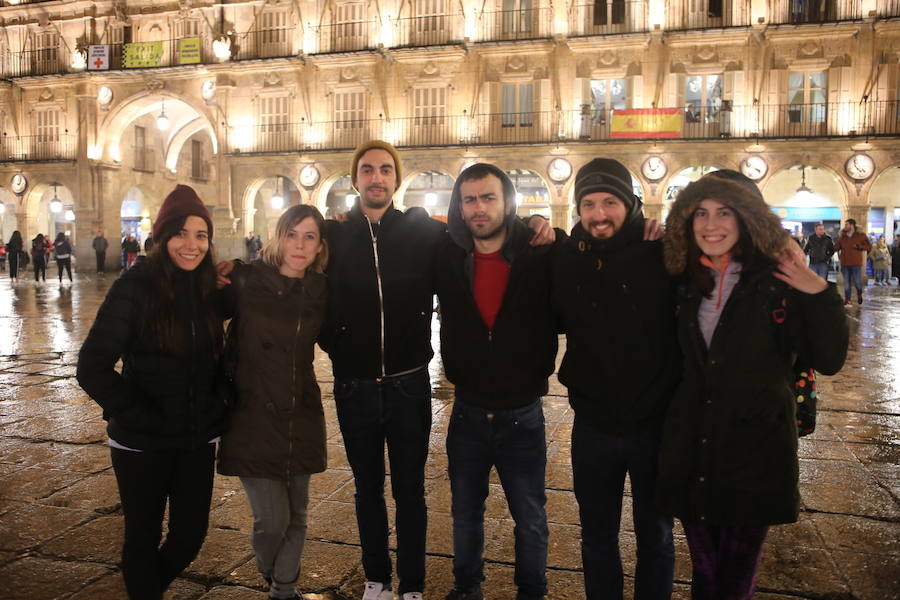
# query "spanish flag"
(646, 123)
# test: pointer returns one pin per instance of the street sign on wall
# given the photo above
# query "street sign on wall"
(143, 54)
(189, 51)
(98, 58)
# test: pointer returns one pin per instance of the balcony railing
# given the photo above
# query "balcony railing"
(608, 18)
(200, 171)
(889, 8)
(20, 2)
(430, 30)
(37, 148)
(264, 43)
(523, 24)
(553, 127)
(345, 37)
(708, 14)
(814, 11)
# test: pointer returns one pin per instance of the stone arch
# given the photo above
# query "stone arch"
(443, 198)
(182, 115)
(325, 189)
(249, 219)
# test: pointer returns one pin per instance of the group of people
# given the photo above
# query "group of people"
(677, 377)
(39, 255)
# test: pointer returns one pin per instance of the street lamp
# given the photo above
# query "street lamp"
(55, 203)
(803, 190)
(277, 198)
(162, 121)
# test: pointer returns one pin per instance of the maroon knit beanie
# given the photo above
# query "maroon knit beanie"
(181, 202)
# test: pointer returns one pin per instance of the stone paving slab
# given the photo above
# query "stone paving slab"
(61, 525)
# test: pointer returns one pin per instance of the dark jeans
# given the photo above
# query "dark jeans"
(514, 442)
(101, 261)
(395, 410)
(147, 481)
(40, 268)
(64, 263)
(852, 276)
(821, 269)
(600, 462)
(724, 559)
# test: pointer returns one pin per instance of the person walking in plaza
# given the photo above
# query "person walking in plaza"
(254, 245)
(820, 248)
(100, 244)
(132, 248)
(728, 461)
(62, 249)
(850, 246)
(621, 366)
(163, 411)
(276, 434)
(39, 246)
(895, 259)
(498, 345)
(881, 261)
(14, 252)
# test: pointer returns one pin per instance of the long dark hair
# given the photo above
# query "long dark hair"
(16, 237)
(161, 295)
(60, 237)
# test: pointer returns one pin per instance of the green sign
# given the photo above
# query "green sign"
(189, 51)
(143, 54)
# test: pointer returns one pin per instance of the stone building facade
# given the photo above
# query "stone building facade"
(264, 100)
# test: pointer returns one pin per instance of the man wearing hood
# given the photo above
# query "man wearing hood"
(622, 364)
(498, 344)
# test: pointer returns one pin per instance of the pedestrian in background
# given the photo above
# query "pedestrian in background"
(728, 462)
(895, 259)
(850, 246)
(14, 254)
(820, 248)
(100, 244)
(164, 415)
(39, 246)
(276, 434)
(63, 252)
(254, 245)
(881, 261)
(132, 249)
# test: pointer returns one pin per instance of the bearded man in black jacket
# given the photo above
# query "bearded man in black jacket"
(498, 343)
(621, 367)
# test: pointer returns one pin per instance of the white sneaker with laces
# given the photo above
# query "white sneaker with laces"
(374, 590)
(412, 596)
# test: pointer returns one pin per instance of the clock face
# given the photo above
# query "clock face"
(654, 168)
(860, 166)
(18, 183)
(104, 95)
(755, 167)
(559, 169)
(309, 176)
(208, 89)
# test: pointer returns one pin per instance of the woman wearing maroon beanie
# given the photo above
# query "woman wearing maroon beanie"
(163, 413)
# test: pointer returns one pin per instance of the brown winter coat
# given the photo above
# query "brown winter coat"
(277, 429)
(851, 247)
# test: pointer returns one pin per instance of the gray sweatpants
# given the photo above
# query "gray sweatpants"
(279, 529)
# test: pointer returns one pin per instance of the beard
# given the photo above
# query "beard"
(369, 202)
(492, 230)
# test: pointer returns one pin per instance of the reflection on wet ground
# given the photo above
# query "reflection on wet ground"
(60, 519)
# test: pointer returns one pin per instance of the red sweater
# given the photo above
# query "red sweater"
(489, 284)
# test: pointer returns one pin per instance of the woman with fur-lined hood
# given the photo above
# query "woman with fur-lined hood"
(747, 307)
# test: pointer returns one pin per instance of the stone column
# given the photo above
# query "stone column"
(559, 216)
(654, 211)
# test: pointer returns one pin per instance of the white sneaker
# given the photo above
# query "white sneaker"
(412, 596)
(374, 590)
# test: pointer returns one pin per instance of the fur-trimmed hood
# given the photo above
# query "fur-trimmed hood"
(764, 227)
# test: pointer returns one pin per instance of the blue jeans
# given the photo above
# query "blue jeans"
(881, 275)
(821, 269)
(513, 441)
(396, 411)
(852, 275)
(600, 462)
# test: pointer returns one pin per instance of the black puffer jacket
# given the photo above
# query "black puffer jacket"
(379, 311)
(159, 401)
(616, 303)
(277, 429)
(729, 451)
(820, 249)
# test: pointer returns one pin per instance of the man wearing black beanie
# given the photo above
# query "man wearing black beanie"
(622, 364)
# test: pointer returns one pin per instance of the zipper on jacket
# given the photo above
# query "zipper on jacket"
(293, 398)
(380, 292)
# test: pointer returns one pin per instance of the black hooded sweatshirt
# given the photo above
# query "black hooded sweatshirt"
(506, 367)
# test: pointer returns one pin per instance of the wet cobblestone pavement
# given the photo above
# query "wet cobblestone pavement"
(61, 526)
